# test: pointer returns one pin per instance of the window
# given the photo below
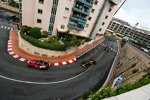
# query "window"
(103, 23)
(39, 21)
(89, 18)
(52, 20)
(55, 2)
(106, 17)
(110, 10)
(50, 28)
(86, 25)
(62, 26)
(96, 2)
(41, 1)
(93, 10)
(66, 9)
(53, 11)
(64, 18)
(40, 11)
(100, 29)
(69, 0)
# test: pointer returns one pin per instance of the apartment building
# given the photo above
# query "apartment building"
(84, 18)
(125, 29)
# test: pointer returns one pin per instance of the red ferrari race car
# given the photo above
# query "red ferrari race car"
(38, 64)
(106, 49)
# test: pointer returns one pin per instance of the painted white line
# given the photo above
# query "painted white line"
(64, 63)
(22, 59)
(11, 53)
(9, 49)
(70, 61)
(9, 43)
(100, 55)
(75, 59)
(16, 56)
(56, 64)
(29, 82)
(9, 46)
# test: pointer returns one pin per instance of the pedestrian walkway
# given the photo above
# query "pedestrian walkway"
(69, 58)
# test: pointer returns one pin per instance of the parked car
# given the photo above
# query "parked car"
(88, 63)
(106, 49)
(39, 64)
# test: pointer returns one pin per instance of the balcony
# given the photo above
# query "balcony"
(79, 20)
(85, 3)
(81, 11)
(72, 26)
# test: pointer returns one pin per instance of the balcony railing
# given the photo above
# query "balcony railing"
(81, 11)
(85, 3)
(80, 20)
(72, 26)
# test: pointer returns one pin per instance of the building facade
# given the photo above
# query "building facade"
(84, 18)
(125, 29)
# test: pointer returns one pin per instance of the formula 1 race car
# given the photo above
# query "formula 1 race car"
(88, 63)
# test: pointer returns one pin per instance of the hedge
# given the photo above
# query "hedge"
(108, 92)
(46, 45)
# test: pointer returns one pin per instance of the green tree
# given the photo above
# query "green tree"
(44, 34)
(141, 44)
(14, 4)
(53, 39)
(35, 32)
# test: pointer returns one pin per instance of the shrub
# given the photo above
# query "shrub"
(88, 39)
(108, 92)
(53, 39)
(35, 32)
(135, 70)
(141, 44)
(44, 34)
(25, 29)
(46, 45)
(133, 65)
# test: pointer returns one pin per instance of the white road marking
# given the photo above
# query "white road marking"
(11, 53)
(70, 61)
(75, 59)
(16, 56)
(9, 49)
(64, 63)
(9, 43)
(56, 64)
(29, 82)
(22, 59)
(100, 55)
(9, 46)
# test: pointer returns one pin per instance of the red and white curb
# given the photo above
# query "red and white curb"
(12, 53)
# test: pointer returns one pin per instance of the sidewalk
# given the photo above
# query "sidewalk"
(18, 51)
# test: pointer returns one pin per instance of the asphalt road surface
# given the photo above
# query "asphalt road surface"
(18, 82)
